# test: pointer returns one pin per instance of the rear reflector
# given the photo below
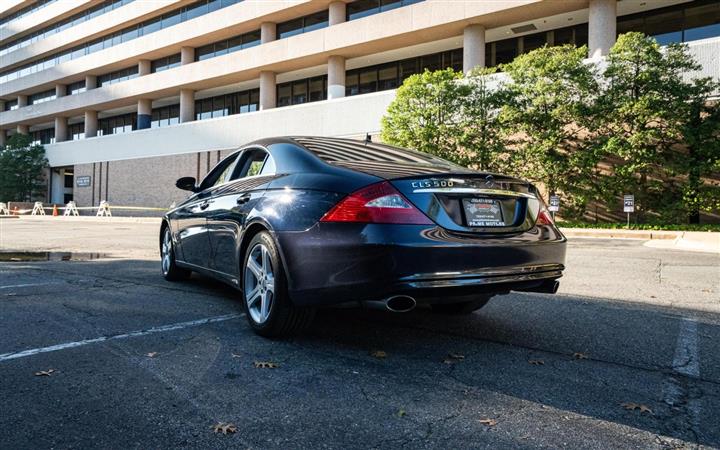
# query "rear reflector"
(377, 203)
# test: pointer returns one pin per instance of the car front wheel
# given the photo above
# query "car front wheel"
(269, 309)
(170, 270)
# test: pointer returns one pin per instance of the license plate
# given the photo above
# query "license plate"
(483, 212)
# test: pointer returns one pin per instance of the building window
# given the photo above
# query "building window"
(534, 41)
(117, 124)
(34, 7)
(11, 105)
(168, 62)
(226, 46)
(76, 88)
(680, 23)
(391, 75)
(117, 76)
(302, 91)
(165, 116)
(63, 25)
(42, 97)
(43, 137)
(227, 105)
(76, 131)
(363, 8)
(303, 24)
(142, 29)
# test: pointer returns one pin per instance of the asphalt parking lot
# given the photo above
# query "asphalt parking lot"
(101, 352)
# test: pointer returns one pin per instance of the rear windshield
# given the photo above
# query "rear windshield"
(347, 150)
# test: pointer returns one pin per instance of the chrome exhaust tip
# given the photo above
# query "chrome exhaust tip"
(400, 303)
(395, 303)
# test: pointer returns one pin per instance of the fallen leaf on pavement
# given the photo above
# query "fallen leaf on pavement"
(225, 428)
(44, 373)
(536, 362)
(235, 355)
(379, 354)
(265, 365)
(578, 355)
(630, 406)
(152, 354)
(488, 422)
(401, 413)
(452, 358)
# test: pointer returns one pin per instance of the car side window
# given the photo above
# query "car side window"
(221, 172)
(253, 162)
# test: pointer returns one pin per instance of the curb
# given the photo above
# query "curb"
(622, 234)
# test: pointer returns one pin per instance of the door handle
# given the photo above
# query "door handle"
(243, 199)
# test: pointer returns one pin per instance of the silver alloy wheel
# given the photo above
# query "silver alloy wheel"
(166, 251)
(259, 283)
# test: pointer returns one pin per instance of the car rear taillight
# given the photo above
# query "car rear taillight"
(544, 217)
(377, 203)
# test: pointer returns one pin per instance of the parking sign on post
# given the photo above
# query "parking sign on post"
(628, 206)
(554, 205)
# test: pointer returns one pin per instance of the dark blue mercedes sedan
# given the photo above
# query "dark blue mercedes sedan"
(298, 223)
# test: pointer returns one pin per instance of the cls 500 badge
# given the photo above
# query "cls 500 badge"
(432, 183)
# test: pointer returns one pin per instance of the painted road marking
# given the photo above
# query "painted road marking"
(160, 329)
(12, 286)
(686, 359)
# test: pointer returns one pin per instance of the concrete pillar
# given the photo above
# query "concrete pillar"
(602, 27)
(23, 129)
(336, 76)
(22, 100)
(268, 32)
(144, 113)
(61, 129)
(268, 90)
(473, 47)
(187, 55)
(60, 90)
(144, 67)
(91, 123)
(90, 82)
(187, 105)
(337, 13)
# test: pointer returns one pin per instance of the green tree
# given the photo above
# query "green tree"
(426, 115)
(484, 136)
(21, 169)
(701, 135)
(551, 112)
(655, 128)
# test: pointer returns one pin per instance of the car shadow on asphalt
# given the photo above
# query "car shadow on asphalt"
(588, 356)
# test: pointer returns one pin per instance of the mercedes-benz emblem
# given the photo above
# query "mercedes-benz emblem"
(489, 181)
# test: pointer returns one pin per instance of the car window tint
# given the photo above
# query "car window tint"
(251, 163)
(219, 174)
(268, 167)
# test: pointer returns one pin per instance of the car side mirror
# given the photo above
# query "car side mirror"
(186, 184)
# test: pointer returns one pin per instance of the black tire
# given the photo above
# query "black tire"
(281, 317)
(170, 269)
(459, 308)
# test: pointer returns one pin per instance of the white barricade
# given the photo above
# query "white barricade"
(38, 209)
(71, 209)
(104, 209)
(4, 211)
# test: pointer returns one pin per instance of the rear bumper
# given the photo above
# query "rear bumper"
(334, 263)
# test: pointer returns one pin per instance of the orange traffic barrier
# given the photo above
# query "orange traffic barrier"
(55, 210)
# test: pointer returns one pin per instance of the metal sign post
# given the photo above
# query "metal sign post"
(628, 206)
(554, 205)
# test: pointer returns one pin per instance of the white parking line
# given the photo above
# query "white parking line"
(161, 329)
(11, 286)
(686, 359)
